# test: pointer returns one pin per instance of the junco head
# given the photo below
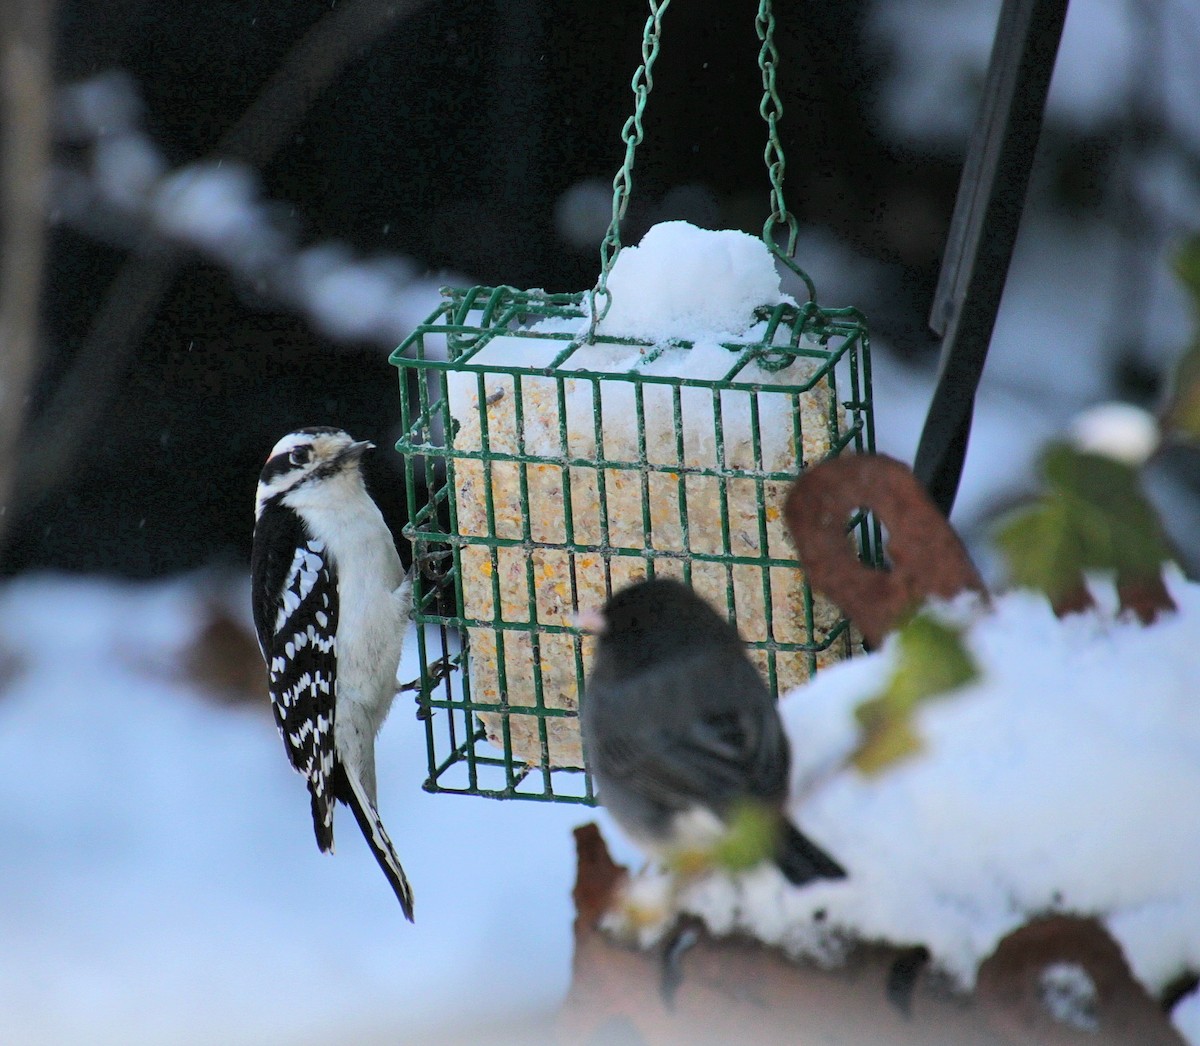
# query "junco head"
(681, 732)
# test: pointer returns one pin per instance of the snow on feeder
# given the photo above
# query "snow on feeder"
(561, 446)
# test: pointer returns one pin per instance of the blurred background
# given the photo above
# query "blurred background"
(249, 206)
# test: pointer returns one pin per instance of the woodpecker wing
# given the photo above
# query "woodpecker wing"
(296, 631)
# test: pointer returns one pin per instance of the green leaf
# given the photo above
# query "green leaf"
(1093, 516)
(751, 836)
(751, 839)
(931, 660)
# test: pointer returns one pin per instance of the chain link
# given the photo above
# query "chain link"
(631, 134)
(771, 109)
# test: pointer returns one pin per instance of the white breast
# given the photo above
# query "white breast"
(373, 609)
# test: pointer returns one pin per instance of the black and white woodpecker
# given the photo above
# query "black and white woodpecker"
(331, 605)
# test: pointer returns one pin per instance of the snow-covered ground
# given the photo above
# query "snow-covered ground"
(159, 882)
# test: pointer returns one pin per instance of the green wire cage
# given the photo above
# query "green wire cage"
(548, 464)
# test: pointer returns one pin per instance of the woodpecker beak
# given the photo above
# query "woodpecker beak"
(590, 621)
(354, 452)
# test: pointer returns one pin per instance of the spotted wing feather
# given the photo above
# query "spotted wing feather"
(297, 633)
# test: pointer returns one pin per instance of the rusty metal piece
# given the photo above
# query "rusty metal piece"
(738, 990)
(597, 878)
(1010, 989)
(926, 556)
(1147, 597)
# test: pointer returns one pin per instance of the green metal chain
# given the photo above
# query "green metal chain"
(632, 135)
(771, 109)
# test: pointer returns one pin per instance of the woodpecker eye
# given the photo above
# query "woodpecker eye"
(300, 456)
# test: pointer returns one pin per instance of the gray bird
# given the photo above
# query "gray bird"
(681, 731)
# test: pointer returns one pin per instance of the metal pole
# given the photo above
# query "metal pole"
(983, 230)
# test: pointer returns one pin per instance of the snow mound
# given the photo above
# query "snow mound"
(1059, 781)
(691, 283)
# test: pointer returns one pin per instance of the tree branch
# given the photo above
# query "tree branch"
(145, 278)
(26, 35)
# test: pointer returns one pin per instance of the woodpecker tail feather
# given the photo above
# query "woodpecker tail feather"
(322, 812)
(802, 860)
(355, 797)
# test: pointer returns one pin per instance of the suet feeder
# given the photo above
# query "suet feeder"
(548, 463)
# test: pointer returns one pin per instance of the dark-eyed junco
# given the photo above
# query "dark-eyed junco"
(681, 732)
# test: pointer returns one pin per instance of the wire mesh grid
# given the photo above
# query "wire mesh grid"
(539, 478)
